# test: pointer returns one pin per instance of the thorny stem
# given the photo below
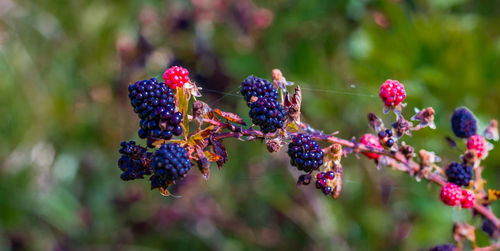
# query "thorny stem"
(358, 147)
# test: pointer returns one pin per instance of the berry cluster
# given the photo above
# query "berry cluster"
(385, 136)
(478, 143)
(305, 153)
(392, 93)
(154, 102)
(371, 140)
(459, 174)
(324, 181)
(453, 195)
(257, 87)
(463, 123)
(176, 76)
(267, 113)
(170, 163)
(135, 161)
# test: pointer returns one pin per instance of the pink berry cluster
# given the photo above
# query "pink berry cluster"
(478, 143)
(371, 140)
(453, 195)
(324, 181)
(176, 76)
(392, 93)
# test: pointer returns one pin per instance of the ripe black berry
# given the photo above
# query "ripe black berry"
(154, 102)
(382, 134)
(267, 113)
(305, 153)
(324, 181)
(459, 174)
(257, 87)
(390, 142)
(170, 163)
(388, 132)
(463, 123)
(304, 179)
(489, 227)
(135, 161)
(444, 247)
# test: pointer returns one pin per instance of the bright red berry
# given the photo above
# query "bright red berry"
(468, 199)
(478, 143)
(451, 194)
(176, 76)
(392, 92)
(371, 141)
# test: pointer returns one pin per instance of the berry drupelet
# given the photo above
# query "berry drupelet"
(305, 153)
(267, 113)
(176, 76)
(170, 163)
(392, 93)
(135, 161)
(371, 141)
(459, 174)
(154, 102)
(478, 143)
(257, 87)
(451, 194)
(463, 123)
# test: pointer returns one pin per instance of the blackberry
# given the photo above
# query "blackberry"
(154, 102)
(267, 113)
(324, 181)
(305, 153)
(459, 174)
(489, 227)
(444, 247)
(463, 123)
(135, 161)
(170, 163)
(253, 86)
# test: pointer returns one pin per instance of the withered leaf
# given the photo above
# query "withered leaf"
(230, 116)
(203, 164)
(201, 135)
(220, 150)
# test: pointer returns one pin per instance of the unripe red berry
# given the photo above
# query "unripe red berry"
(392, 93)
(478, 143)
(468, 200)
(451, 194)
(176, 76)
(371, 141)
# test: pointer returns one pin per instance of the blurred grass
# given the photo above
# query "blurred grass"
(65, 67)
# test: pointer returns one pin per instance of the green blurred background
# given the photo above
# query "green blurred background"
(65, 67)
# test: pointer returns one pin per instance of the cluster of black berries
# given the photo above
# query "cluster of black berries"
(324, 181)
(385, 137)
(135, 161)
(265, 111)
(463, 123)
(305, 153)
(257, 87)
(154, 102)
(170, 162)
(459, 174)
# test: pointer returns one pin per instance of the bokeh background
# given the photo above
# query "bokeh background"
(65, 67)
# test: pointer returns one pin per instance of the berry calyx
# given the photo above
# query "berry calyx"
(267, 113)
(305, 153)
(451, 194)
(468, 200)
(463, 123)
(392, 93)
(176, 76)
(170, 163)
(257, 87)
(478, 143)
(371, 140)
(459, 174)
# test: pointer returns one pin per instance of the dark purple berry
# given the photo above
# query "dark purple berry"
(444, 247)
(257, 87)
(463, 123)
(135, 161)
(170, 163)
(304, 179)
(388, 132)
(390, 142)
(305, 160)
(268, 114)
(382, 134)
(327, 190)
(459, 174)
(330, 175)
